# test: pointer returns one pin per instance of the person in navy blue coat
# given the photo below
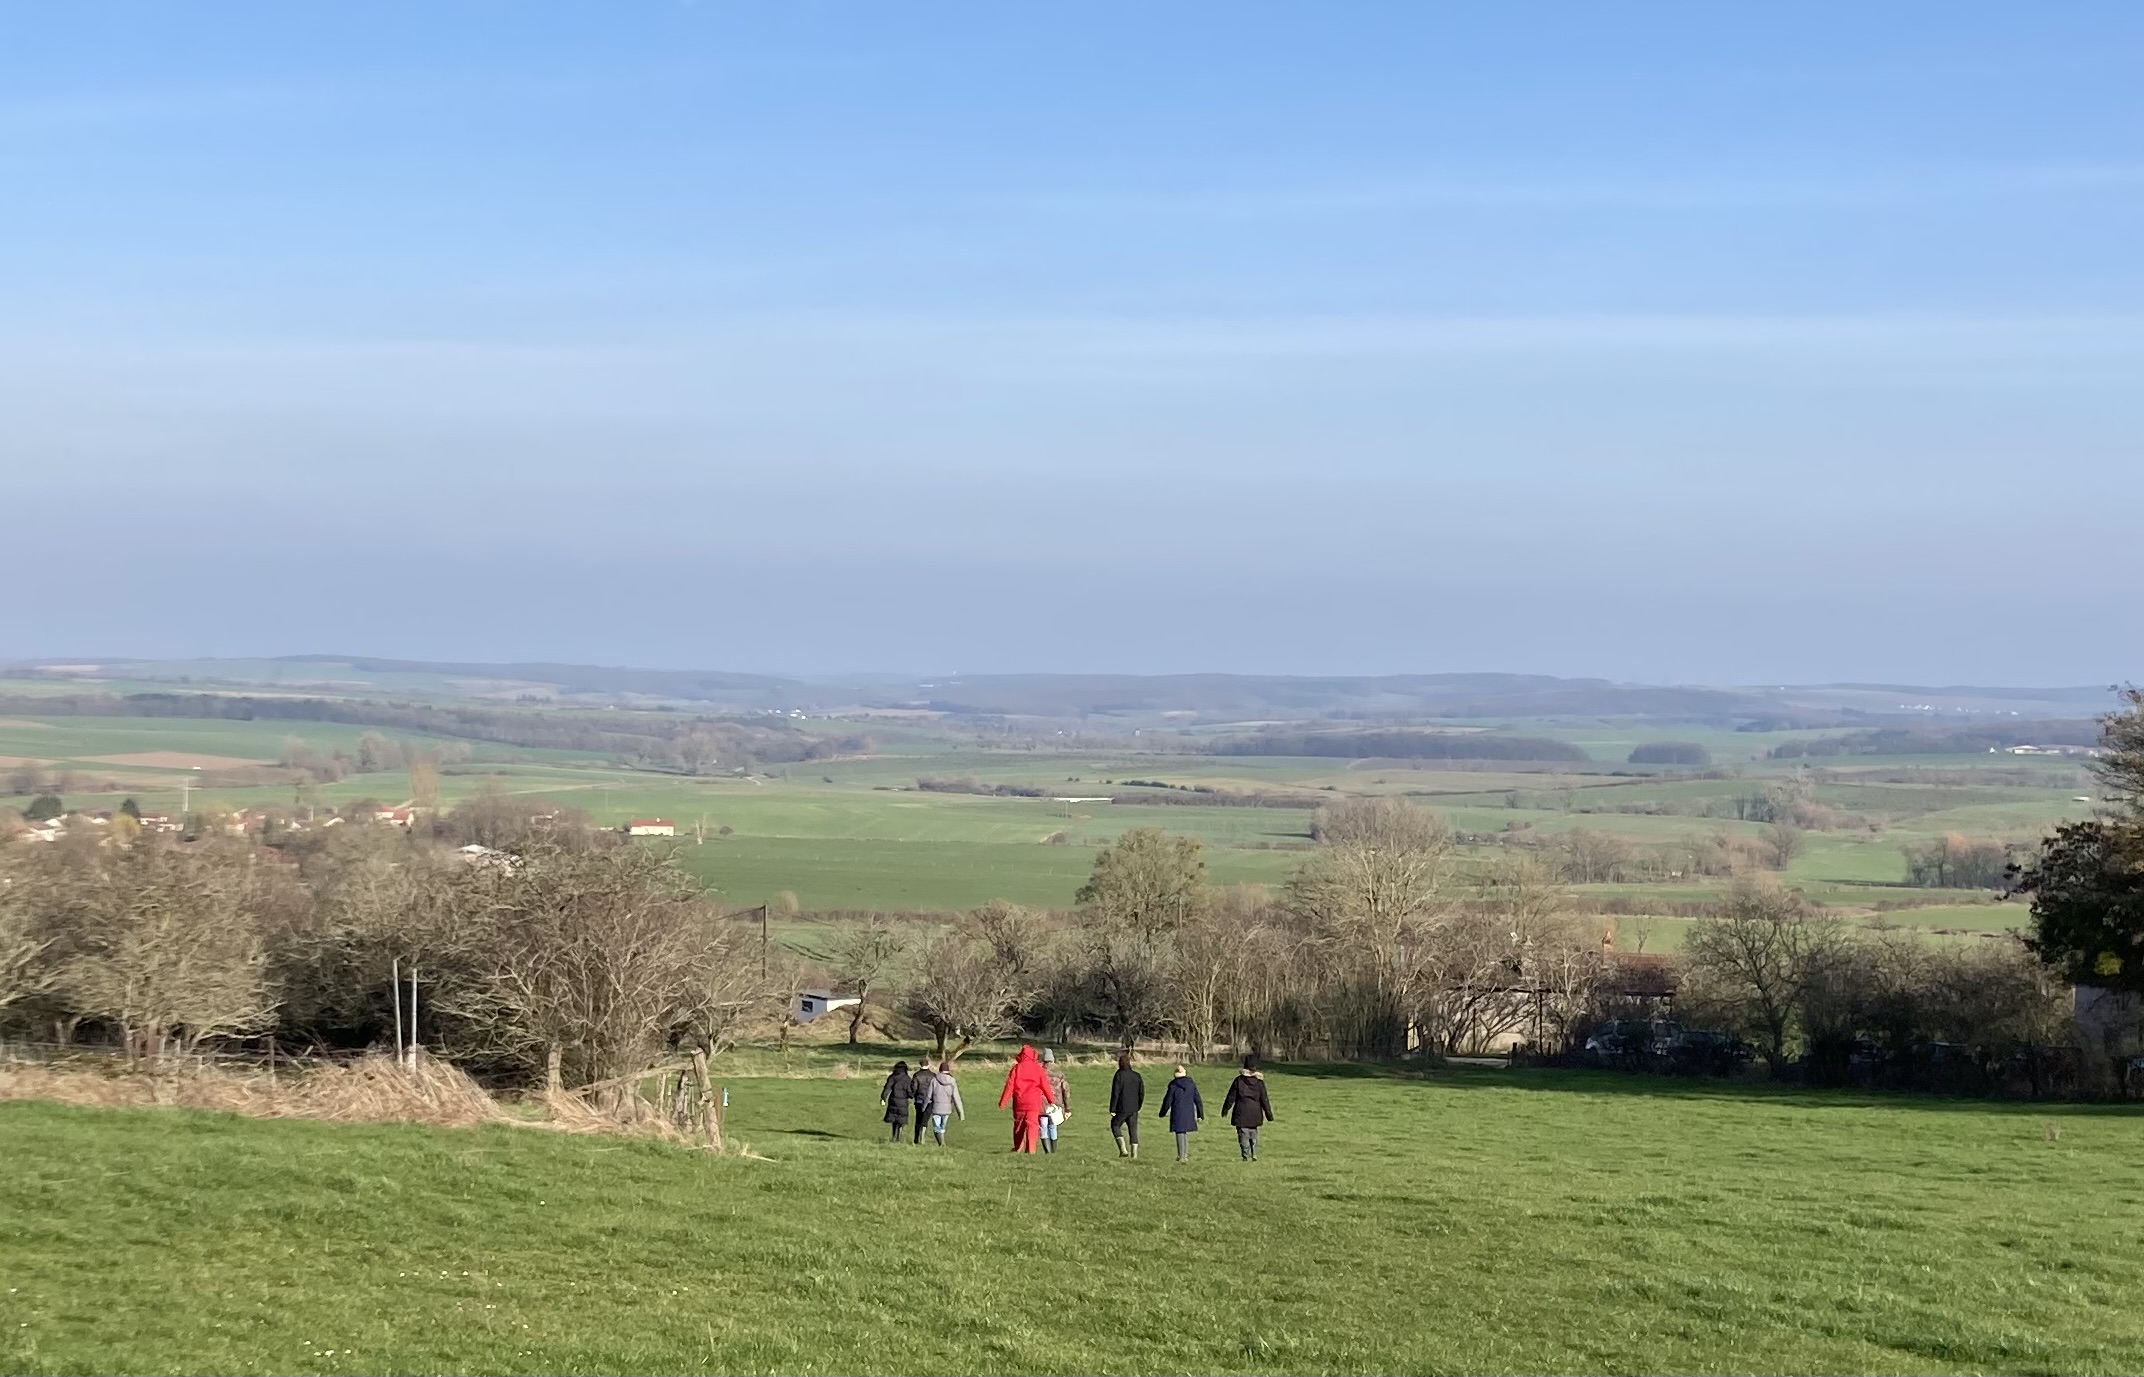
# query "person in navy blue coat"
(1183, 1108)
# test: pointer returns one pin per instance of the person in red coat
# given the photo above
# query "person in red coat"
(1027, 1090)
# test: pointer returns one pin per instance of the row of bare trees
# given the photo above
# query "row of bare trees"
(1381, 943)
(1794, 981)
(568, 962)
(1377, 945)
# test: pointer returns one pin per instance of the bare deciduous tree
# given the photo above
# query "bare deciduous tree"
(861, 959)
(597, 960)
(962, 989)
(165, 944)
(1589, 857)
(1756, 959)
(1372, 896)
(1146, 883)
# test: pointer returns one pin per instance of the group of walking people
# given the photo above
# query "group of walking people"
(1041, 1100)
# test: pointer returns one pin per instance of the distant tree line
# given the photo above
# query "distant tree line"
(1684, 753)
(1954, 861)
(1965, 739)
(686, 745)
(1402, 745)
(971, 785)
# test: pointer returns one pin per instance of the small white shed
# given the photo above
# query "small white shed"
(814, 1004)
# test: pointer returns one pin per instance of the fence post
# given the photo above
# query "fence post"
(710, 1121)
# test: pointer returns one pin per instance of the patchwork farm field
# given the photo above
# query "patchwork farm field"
(1471, 1220)
(857, 831)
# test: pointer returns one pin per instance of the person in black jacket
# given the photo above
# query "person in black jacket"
(919, 1086)
(1248, 1107)
(898, 1092)
(1182, 1106)
(1127, 1096)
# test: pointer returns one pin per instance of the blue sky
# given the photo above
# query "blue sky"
(1665, 342)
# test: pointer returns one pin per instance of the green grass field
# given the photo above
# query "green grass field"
(1475, 1220)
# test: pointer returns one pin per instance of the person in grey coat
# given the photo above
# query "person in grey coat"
(943, 1101)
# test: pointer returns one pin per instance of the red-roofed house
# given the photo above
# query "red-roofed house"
(651, 827)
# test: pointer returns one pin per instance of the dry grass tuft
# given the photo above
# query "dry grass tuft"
(371, 1090)
(631, 1115)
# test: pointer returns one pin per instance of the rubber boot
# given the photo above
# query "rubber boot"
(1122, 1151)
(1135, 1152)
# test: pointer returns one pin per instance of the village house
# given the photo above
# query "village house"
(651, 827)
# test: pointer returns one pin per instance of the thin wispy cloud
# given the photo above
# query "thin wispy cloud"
(1730, 191)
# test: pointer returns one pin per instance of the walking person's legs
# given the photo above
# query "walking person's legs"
(938, 1128)
(1247, 1142)
(897, 1126)
(921, 1115)
(1183, 1147)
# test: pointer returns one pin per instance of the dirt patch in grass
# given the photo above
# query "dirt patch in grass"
(176, 760)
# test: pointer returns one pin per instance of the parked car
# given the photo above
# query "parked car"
(1627, 1041)
(1701, 1052)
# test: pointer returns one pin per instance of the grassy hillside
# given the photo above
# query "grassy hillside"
(1476, 1220)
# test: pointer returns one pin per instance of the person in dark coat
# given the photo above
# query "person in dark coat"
(1127, 1096)
(1248, 1107)
(919, 1086)
(898, 1093)
(1182, 1107)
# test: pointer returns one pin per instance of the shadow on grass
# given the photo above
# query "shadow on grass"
(1624, 1083)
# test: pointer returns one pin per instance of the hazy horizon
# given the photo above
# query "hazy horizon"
(882, 675)
(1664, 344)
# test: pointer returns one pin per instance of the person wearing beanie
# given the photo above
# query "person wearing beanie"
(1183, 1107)
(1248, 1107)
(1060, 1100)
